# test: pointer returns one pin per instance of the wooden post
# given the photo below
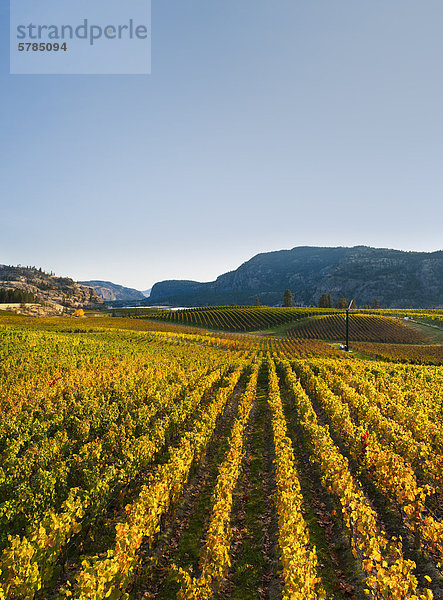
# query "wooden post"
(347, 326)
(347, 331)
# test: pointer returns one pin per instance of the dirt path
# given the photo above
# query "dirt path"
(341, 575)
(180, 540)
(389, 518)
(255, 563)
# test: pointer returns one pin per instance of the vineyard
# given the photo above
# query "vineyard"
(405, 353)
(371, 328)
(239, 318)
(145, 460)
(383, 325)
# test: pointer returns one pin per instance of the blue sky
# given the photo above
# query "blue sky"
(264, 125)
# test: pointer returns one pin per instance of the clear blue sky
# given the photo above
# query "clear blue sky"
(264, 125)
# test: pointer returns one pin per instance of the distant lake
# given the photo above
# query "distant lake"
(162, 307)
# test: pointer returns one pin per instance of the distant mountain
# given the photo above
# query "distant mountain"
(56, 293)
(396, 278)
(175, 287)
(147, 293)
(111, 292)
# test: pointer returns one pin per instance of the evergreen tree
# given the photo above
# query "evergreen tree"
(288, 298)
(342, 303)
(257, 302)
(15, 296)
(325, 301)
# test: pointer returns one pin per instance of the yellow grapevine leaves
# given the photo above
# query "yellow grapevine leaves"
(298, 556)
(108, 578)
(370, 545)
(215, 560)
(392, 474)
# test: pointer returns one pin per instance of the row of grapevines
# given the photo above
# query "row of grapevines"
(28, 564)
(215, 560)
(404, 353)
(417, 453)
(387, 573)
(290, 347)
(433, 314)
(108, 578)
(61, 460)
(298, 556)
(361, 327)
(239, 318)
(415, 404)
(41, 475)
(392, 475)
(47, 391)
(25, 555)
(420, 386)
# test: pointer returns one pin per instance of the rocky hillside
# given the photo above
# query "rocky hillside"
(395, 278)
(56, 293)
(111, 292)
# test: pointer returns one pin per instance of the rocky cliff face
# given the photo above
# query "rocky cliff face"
(112, 292)
(395, 278)
(167, 289)
(57, 293)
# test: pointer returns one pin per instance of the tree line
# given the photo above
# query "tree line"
(9, 296)
(325, 301)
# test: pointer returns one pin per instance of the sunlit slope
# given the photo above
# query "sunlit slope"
(238, 318)
(173, 465)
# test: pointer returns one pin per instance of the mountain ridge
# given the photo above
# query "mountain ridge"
(55, 294)
(111, 292)
(395, 277)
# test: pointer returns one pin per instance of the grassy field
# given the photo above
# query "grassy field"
(145, 459)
